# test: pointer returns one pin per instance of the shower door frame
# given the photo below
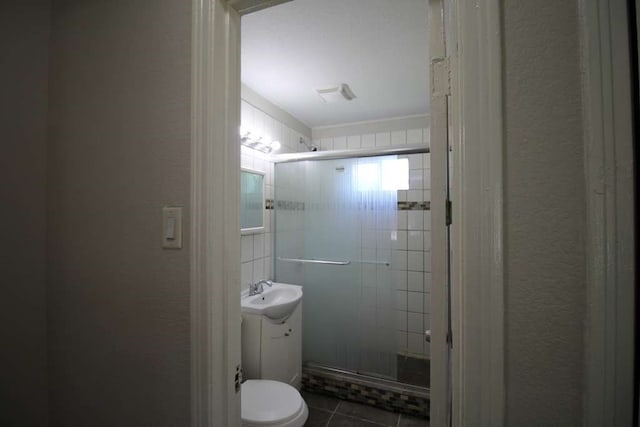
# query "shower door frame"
(341, 155)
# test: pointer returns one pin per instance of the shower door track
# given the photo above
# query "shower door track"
(347, 154)
(369, 380)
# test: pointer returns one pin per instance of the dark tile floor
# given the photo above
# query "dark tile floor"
(331, 412)
(414, 371)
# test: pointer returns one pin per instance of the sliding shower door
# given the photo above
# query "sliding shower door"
(335, 230)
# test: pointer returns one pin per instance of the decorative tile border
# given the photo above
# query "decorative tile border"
(347, 387)
(414, 206)
(287, 205)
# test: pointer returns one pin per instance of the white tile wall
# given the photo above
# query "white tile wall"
(415, 218)
(414, 136)
(399, 137)
(416, 240)
(340, 143)
(415, 281)
(413, 313)
(354, 141)
(402, 220)
(257, 249)
(399, 260)
(368, 140)
(401, 301)
(383, 139)
(415, 260)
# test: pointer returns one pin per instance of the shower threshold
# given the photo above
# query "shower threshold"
(379, 392)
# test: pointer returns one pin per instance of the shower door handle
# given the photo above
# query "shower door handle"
(314, 261)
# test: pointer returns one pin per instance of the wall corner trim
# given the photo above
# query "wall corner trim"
(478, 276)
(215, 228)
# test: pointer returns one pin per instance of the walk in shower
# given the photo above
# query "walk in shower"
(354, 232)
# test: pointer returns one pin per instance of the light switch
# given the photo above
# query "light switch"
(172, 227)
(170, 232)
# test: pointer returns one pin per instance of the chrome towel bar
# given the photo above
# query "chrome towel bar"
(314, 261)
(373, 262)
(329, 262)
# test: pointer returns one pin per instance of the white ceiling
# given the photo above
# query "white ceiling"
(378, 47)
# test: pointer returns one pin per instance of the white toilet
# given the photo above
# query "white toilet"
(272, 403)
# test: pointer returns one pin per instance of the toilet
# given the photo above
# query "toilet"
(272, 403)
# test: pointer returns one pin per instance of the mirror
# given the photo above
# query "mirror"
(251, 201)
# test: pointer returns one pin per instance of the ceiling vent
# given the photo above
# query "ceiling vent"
(340, 93)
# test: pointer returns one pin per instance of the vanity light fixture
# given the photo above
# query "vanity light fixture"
(258, 142)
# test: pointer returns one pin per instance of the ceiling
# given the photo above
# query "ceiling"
(378, 47)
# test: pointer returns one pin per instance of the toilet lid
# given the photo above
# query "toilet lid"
(267, 401)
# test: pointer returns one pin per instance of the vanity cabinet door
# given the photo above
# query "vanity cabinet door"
(282, 350)
(295, 347)
(275, 351)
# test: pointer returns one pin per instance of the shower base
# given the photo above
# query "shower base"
(389, 395)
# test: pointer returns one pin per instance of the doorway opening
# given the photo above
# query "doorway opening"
(327, 79)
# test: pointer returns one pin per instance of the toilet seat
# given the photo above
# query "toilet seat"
(272, 403)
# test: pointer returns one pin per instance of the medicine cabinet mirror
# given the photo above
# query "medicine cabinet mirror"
(251, 201)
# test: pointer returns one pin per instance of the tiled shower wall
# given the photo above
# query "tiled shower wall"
(373, 139)
(414, 243)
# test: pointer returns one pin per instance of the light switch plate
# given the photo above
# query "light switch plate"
(172, 227)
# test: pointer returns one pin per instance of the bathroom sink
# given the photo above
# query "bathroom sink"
(276, 302)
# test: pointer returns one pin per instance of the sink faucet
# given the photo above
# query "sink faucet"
(258, 288)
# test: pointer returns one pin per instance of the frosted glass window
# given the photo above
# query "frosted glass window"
(395, 174)
(386, 175)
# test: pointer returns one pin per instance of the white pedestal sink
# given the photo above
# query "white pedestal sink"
(272, 334)
(276, 302)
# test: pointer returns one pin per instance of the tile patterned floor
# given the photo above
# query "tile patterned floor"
(327, 411)
(414, 371)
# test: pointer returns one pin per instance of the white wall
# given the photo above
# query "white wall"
(24, 43)
(119, 149)
(545, 214)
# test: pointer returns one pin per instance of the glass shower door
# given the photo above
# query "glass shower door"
(335, 224)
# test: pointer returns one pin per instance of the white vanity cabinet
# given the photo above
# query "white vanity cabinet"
(272, 350)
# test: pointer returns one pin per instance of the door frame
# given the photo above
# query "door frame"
(439, 130)
(214, 267)
(610, 246)
(474, 47)
(476, 123)
(473, 32)
(215, 214)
